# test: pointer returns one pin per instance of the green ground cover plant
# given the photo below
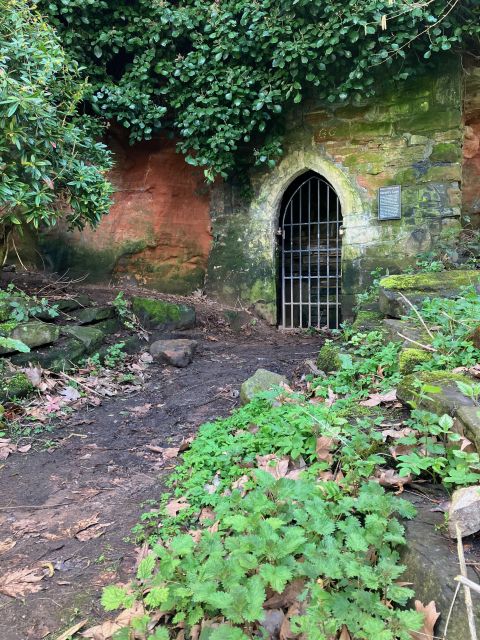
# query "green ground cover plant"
(292, 493)
(221, 75)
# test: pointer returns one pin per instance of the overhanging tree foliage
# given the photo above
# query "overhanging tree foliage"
(50, 163)
(221, 73)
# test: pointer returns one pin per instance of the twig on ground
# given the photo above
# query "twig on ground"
(80, 384)
(468, 583)
(447, 622)
(466, 588)
(34, 506)
(419, 344)
(412, 306)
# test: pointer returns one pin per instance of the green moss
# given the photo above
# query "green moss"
(443, 280)
(157, 310)
(409, 358)
(15, 386)
(159, 314)
(368, 320)
(446, 152)
(440, 376)
(328, 357)
(7, 327)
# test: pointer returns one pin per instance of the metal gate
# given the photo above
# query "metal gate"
(310, 229)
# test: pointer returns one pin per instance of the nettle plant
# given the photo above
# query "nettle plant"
(50, 163)
(222, 74)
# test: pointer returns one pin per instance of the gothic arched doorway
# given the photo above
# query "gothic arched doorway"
(310, 254)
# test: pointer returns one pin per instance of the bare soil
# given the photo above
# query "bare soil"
(100, 469)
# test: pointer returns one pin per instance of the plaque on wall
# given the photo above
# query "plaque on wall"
(390, 203)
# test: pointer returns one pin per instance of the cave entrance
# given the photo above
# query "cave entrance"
(310, 254)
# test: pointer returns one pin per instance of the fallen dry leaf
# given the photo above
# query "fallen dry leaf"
(34, 374)
(390, 478)
(24, 448)
(6, 545)
(323, 446)
(170, 453)
(140, 410)
(66, 635)
(185, 444)
(345, 635)
(430, 617)
(240, 484)
(395, 434)
(287, 597)
(102, 631)
(331, 398)
(286, 632)
(6, 448)
(17, 584)
(276, 467)
(175, 506)
(375, 399)
(206, 514)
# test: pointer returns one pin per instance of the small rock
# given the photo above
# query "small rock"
(178, 353)
(272, 622)
(262, 380)
(464, 511)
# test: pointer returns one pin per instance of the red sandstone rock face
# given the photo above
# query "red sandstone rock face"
(158, 229)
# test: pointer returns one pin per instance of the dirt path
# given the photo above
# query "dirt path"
(102, 472)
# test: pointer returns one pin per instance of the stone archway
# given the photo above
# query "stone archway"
(264, 211)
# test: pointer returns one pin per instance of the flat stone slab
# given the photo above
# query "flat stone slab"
(90, 336)
(90, 315)
(178, 353)
(418, 287)
(448, 400)
(262, 380)
(34, 334)
(431, 566)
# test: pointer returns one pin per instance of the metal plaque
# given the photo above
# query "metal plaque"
(390, 203)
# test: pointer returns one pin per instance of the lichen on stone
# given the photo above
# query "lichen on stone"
(428, 281)
(328, 357)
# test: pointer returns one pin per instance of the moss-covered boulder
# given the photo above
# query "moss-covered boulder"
(410, 358)
(163, 316)
(417, 287)
(262, 380)
(14, 385)
(33, 334)
(406, 332)
(328, 358)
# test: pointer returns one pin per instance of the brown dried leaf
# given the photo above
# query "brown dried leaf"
(240, 484)
(175, 506)
(102, 631)
(375, 399)
(287, 597)
(17, 584)
(430, 617)
(344, 635)
(66, 635)
(276, 467)
(140, 410)
(285, 630)
(24, 448)
(6, 448)
(324, 444)
(331, 398)
(390, 478)
(6, 545)
(395, 434)
(170, 453)
(185, 444)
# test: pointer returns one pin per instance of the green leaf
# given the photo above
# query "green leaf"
(146, 566)
(113, 597)
(226, 632)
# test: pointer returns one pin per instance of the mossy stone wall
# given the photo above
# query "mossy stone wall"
(411, 137)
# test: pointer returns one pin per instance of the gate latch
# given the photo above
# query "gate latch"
(280, 232)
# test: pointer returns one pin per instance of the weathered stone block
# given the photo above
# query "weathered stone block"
(89, 315)
(15, 385)
(464, 511)
(162, 315)
(418, 287)
(62, 356)
(178, 353)
(33, 334)
(262, 380)
(90, 336)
